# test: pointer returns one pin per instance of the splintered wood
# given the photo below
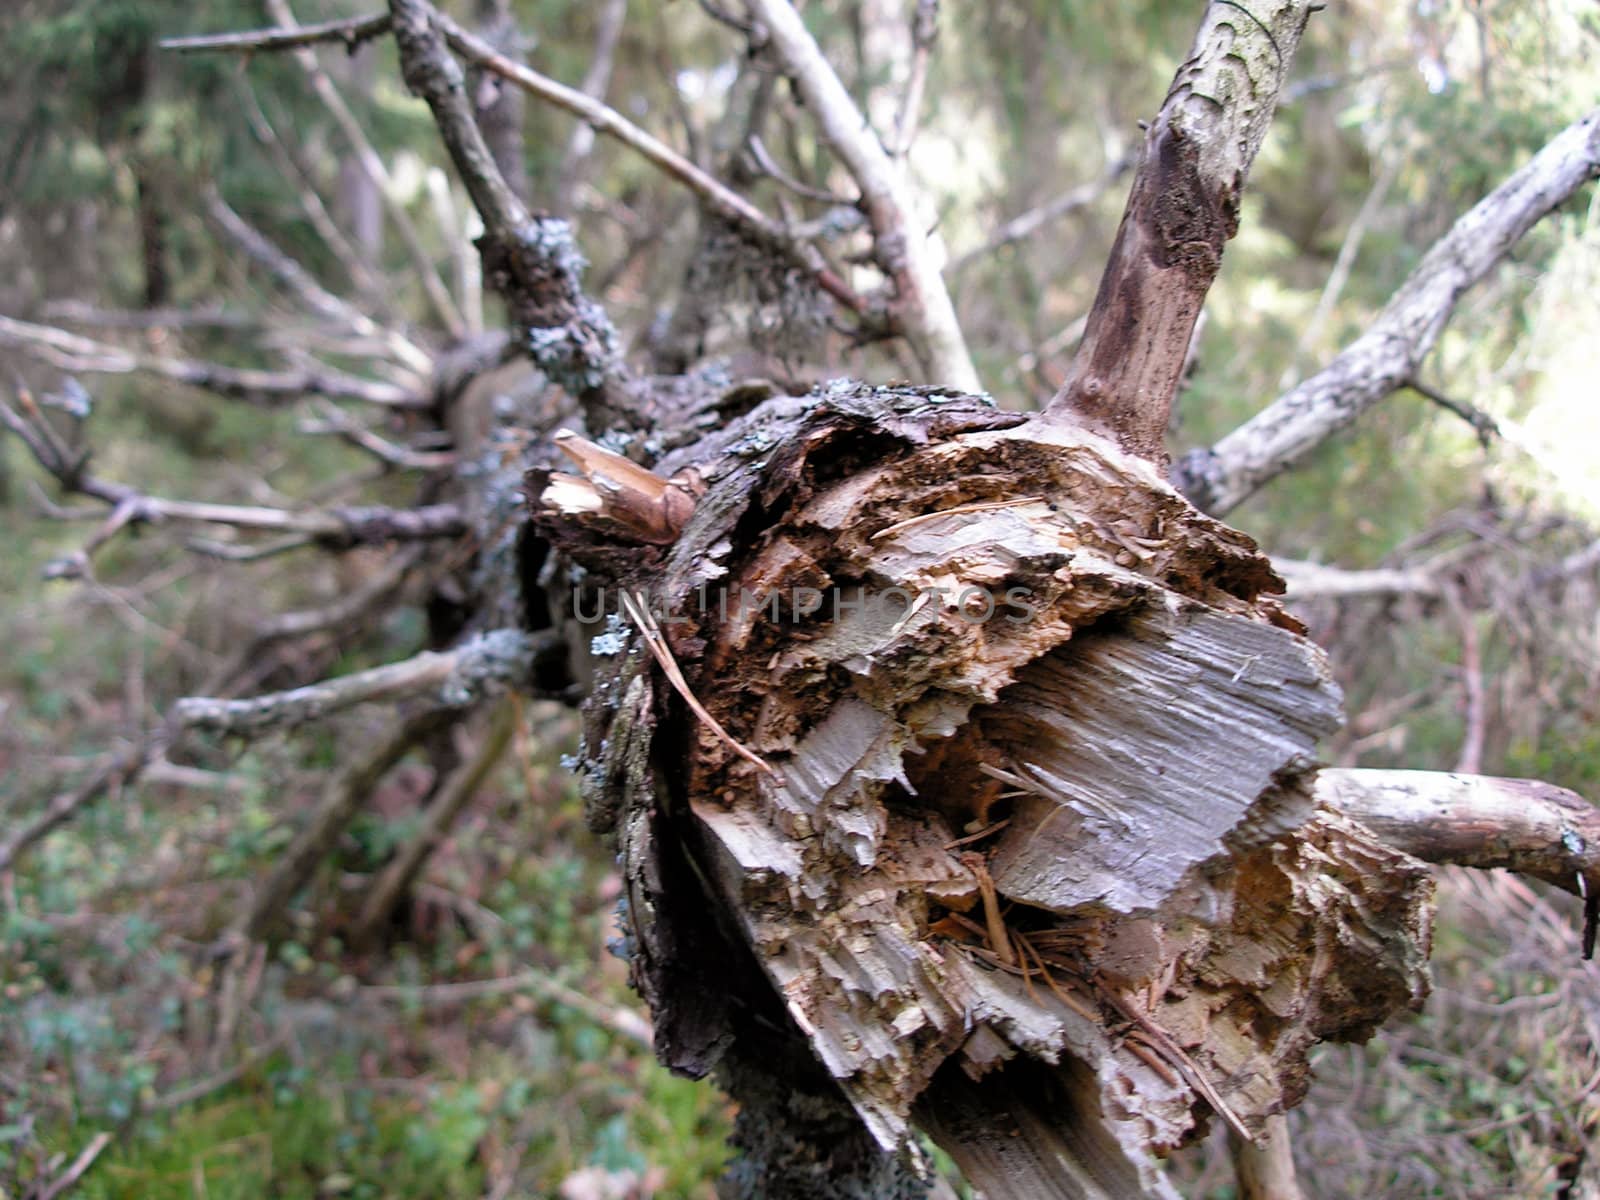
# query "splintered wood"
(1035, 841)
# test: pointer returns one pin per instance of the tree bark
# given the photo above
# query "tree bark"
(1183, 208)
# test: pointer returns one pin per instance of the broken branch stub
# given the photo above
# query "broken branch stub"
(1037, 840)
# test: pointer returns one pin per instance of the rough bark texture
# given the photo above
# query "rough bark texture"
(1150, 919)
(1183, 208)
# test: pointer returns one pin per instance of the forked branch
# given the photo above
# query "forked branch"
(924, 311)
(1388, 355)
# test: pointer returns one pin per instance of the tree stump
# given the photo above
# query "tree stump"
(961, 747)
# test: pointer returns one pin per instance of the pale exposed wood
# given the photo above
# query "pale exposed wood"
(1265, 1168)
(1223, 915)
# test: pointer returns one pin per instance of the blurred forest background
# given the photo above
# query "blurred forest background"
(483, 1042)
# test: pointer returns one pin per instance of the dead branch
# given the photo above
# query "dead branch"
(623, 1021)
(449, 801)
(333, 420)
(1183, 208)
(118, 771)
(454, 678)
(71, 352)
(1031, 222)
(925, 313)
(341, 798)
(924, 33)
(532, 262)
(1265, 1167)
(1316, 581)
(373, 167)
(70, 1178)
(596, 80)
(291, 166)
(298, 281)
(349, 33)
(1390, 353)
(1482, 423)
(1522, 825)
(717, 196)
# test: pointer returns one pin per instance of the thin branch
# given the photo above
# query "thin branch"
(619, 1020)
(70, 1178)
(1485, 426)
(1342, 265)
(334, 420)
(925, 313)
(298, 281)
(355, 261)
(336, 527)
(1522, 825)
(1183, 208)
(596, 80)
(341, 798)
(452, 678)
(372, 166)
(1316, 581)
(1031, 222)
(1388, 355)
(924, 33)
(349, 33)
(70, 352)
(348, 610)
(532, 262)
(80, 312)
(121, 769)
(717, 196)
(397, 878)
(1265, 1168)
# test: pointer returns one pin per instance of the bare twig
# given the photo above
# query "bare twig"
(298, 281)
(1388, 355)
(70, 352)
(608, 31)
(291, 166)
(926, 315)
(1316, 581)
(1340, 274)
(331, 419)
(118, 771)
(372, 166)
(924, 32)
(341, 798)
(1485, 426)
(622, 1021)
(639, 613)
(1031, 222)
(452, 678)
(447, 805)
(349, 33)
(70, 1178)
(717, 196)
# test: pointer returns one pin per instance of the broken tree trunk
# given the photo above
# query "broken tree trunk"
(961, 748)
